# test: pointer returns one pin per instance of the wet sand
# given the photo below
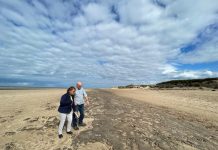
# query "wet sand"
(115, 120)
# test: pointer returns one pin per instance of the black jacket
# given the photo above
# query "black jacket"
(66, 104)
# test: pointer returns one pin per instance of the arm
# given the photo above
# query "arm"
(74, 105)
(86, 97)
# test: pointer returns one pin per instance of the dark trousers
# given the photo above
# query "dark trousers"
(79, 108)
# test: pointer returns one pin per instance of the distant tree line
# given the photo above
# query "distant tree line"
(200, 83)
(208, 83)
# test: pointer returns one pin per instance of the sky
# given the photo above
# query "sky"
(105, 43)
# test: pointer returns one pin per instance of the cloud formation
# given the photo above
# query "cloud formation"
(106, 43)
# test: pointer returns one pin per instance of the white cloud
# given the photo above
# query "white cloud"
(95, 13)
(189, 74)
(195, 74)
(169, 69)
(103, 43)
(172, 72)
(139, 12)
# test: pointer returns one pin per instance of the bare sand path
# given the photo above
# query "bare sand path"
(29, 119)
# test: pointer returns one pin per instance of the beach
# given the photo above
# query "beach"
(119, 119)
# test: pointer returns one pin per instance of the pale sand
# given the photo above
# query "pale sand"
(29, 120)
(203, 104)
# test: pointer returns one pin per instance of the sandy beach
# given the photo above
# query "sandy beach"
(116, 119)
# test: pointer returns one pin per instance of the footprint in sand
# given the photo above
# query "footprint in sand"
(33, 119)
(26, 119)
(6, 118)
(31, 128)
(50, 107)
(3, 120)
(10, 146)
(19, 111)
(13, 146)
(9, 133)
(51, 122)
(42, 122)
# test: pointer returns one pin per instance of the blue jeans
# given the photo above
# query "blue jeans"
(79, 108)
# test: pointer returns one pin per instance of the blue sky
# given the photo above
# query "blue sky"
(106, 43)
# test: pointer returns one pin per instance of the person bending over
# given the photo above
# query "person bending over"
(65, 109)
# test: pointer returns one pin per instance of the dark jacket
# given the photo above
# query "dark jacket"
(66, 104)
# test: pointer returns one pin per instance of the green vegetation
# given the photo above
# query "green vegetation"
(199, 83)
(208, 83)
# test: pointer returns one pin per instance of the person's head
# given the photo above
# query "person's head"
(79, 85)
(71, 90)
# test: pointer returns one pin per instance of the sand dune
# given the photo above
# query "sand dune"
(116, 119)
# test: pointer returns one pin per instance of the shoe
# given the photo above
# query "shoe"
(82, 124)
(70, 132)
(60, 136)
(76, 128)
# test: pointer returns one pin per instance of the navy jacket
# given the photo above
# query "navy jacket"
(66, 104)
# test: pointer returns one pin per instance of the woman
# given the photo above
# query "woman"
(65, 110)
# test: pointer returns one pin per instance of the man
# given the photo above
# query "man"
(80, 99)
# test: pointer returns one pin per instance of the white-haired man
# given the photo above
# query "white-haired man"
(80, 99)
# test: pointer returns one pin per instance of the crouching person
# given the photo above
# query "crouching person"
(65, 109)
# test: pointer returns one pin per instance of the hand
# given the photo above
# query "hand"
(77, 114)
(87, 103)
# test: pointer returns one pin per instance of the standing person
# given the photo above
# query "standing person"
(65, 110)
(80, 98)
